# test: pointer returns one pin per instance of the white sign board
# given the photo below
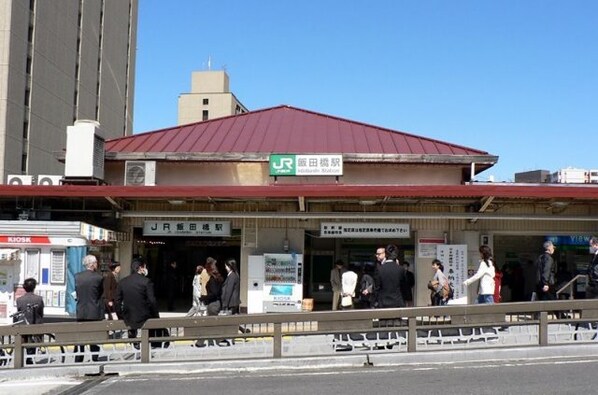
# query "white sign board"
(364, 230)
(186, 228)
(454, 259)
(426, 246)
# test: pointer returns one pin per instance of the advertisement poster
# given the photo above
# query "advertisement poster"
(454, 259)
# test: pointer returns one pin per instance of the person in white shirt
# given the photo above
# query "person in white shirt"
(349, 282)
(485, 275)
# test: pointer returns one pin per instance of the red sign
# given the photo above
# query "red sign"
(24, 239)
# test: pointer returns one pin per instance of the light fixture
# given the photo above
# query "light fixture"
(368, 202)
(176, 202)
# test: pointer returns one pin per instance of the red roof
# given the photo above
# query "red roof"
(283, 129)
(521, 191)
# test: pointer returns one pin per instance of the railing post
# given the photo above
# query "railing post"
(543, 329)
(277, 340)
(412, 334)
(145, 346)
(18, 351)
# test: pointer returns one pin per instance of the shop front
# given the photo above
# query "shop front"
(51, 252)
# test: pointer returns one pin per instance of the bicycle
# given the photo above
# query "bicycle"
(34, 355)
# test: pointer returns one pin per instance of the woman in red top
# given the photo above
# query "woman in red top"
(497, 285)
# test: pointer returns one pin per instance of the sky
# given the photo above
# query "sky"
(518, 79)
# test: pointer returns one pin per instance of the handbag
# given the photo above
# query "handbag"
(347, 301)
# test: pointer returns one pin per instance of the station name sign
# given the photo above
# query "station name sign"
(364, 230)
(186, 228)
(306, 165)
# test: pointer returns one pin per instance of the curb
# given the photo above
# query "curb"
(306, 363)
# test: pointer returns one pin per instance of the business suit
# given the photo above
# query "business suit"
(89, 286)
(135, 301)
(390, 279)
(592, 285)
(231, 298)
(33, 315)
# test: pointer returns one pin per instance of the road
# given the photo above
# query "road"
(532, 376)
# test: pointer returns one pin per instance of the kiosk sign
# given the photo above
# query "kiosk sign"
(306, 165)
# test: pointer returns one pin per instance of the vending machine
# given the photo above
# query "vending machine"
(275, 283)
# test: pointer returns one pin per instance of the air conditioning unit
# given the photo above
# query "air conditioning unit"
(140, 172)
(44, 179)
(84, 150)
(17, 179)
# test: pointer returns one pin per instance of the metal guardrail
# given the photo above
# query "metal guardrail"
(569, 285)
(277, 327)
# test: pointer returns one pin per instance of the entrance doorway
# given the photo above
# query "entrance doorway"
(188, 253)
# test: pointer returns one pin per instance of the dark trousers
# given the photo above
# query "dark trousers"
(80, 348)
(548, 295)
(592, 291)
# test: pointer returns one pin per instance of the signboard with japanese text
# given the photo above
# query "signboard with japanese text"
(426, 246)
(306, 165)
(364, 230)
(454, 260)
(187, 228)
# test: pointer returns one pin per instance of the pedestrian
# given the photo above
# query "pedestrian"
(231, 288)
(592, 286)
(409, 284)
(367, 286)
(544, 275)
(135, 298)
(89, 288)
(438, 284)
(196, 286)
(349, 282)
(110, 285)
(336, 284)
(389, 279)
(205, 276)
(32, 306)
(213, 290)
(485, 274)
(172, 284)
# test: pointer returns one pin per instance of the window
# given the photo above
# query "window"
(24, 163)
(25, 130)
(57, 267)
(204, 115)
(32, 264)
(206, 102)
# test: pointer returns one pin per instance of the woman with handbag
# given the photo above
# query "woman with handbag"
(438, 283)
(349, 282)
(213, 290)
(485, 274)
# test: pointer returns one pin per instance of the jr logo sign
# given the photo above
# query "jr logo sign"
(282, 165)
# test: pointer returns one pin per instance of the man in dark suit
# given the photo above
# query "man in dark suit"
(33, 307)
(592, 285)
(390, 279)
(135, 298)
(89, 287)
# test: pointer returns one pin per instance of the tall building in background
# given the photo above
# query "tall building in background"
(62, 61)
(210, 98)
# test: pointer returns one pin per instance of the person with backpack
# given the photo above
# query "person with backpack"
(485, 274)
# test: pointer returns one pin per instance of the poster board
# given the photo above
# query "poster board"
(454, 259)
